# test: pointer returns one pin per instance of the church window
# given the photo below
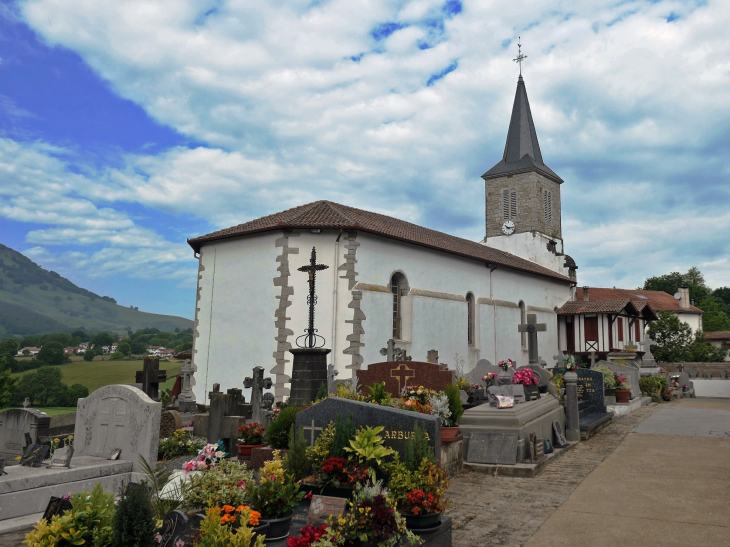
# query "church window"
(470, 319)
(399, 288)
(523, 321)
(548, 206)
(545, 205)
(513, 203)
(505, 204)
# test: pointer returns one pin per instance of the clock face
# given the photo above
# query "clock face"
(508, 228)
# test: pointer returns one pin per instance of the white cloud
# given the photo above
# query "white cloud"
(297, 102)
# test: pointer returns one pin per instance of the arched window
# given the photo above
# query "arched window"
(399, 288)
(505, 204)
(513, 203)
(470, 319)
(523, 321)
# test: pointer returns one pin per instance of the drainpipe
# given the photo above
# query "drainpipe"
(334, 297)
(494, 310)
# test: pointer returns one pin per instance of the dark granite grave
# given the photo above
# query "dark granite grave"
(35, 455)
(493, 448)
(591, 406)
(398, 423)
(178, 527)
(398, 374)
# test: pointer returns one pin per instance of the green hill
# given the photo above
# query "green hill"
(38, 301)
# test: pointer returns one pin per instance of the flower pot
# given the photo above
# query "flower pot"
(422, 522)
(504, 378)
(244, 450)
(449, 434)
(278, 528)
(336, 491)
(622, 395)
(532, 393)
(260, 530)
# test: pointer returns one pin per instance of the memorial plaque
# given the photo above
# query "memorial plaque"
(62, 457)
(493, 448)
(56, 506)
(539, 449)
(35, 455)
(590, 388)
(178, 529)
(548, 447)
(322, 507)
(115, 454)
(560, 440)
(398, 423)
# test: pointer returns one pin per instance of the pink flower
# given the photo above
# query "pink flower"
(240, 484)
(158, 538)
(308, 496)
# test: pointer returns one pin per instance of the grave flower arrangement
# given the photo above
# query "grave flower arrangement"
(208, 456)
(307, 536)
(675, 381)
(490, 378)
(506, 364)
(274, 497)
(526, 377)
(621, 381)
(569, 363)
(251, 434)
(220, 527)
(468, 387)
(440, 407)
(235, 516)
(416, 398)
(224, 484)
(181, 443)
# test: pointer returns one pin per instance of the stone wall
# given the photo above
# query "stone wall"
(703, 370)
(530, 206)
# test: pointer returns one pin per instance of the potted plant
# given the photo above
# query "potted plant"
(422, 510)
(456, 409)
(440, 407)
(334, 478)
(490, 379)
(505, 378)
(609, 380)
(622, 389)
(275, 498)
(527, 378)
(416, 398)
(249, 436)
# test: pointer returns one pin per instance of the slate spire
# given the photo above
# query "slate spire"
(522, 149)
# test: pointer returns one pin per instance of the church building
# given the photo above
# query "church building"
(387, 279)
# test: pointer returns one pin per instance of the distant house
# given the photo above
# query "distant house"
(166, 353)
(83, 346)
(154, 351)
(719, 339)
(32, 351)
(71, 351)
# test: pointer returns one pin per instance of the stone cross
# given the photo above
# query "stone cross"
(532, 327)
(311, 430)
(257, 384)
(332, 372)
(401, 373)
(593, 358)
(400, 355)
(388, 350)
(26, 403)
(151, 377)
(432, 356)
(186, 399)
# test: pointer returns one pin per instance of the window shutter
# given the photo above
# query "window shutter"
(545, 205)
(550, 206)
(513, 203)
(505, 204)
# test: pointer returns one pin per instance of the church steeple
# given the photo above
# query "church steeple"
(522, 149)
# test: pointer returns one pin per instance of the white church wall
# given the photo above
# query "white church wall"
(235, 312)
(378, 308)
(532, 246)
(440, 324)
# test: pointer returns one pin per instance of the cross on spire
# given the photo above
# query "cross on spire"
(519, 57)
(310, 338)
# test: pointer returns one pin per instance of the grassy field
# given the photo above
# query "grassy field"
(98, 373)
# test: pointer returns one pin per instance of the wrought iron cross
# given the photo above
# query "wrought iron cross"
(311, 336)
(520, 57)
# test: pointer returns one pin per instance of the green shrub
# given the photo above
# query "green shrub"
(277, 434)
(417, 449)
(653, 386)
(609, 378)
(296, 461)
(378, 395)
(134, 522)
(322, 393)
(457, 409)
(344, 432)
(217, 486)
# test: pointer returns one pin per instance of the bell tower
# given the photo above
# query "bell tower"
(523, 208)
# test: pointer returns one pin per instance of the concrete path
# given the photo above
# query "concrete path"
(667, 483)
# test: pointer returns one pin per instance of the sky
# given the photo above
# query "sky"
(128, 126)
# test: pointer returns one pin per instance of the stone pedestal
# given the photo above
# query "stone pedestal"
(572, 417)
(309, 371)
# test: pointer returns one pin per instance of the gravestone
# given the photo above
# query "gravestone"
(178, 529)
(14, 424)
(332, 373)
(309, 372)
(398, 423)
(532, 327)
(683, 380)
(483, 366)
(463, 396)
(630, 371)
(62, 457)
(35, 455)
(560, 440)
(257, 384)
(493, 448)
(513, 390)
(432, 356)
(322, 507)
(151, 377)
(170, 421)
(398, 374)
(118, 416)
(186, 401)
(228, 412)
(590, 388)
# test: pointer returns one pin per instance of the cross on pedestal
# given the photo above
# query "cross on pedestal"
(151, 377)
(257, 384)
(532, 327)
(400, 373)
(311, 430)
(388, 350)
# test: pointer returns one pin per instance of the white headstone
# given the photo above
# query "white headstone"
(122, 417)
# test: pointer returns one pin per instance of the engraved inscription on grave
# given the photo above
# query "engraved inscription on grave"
(493, 448)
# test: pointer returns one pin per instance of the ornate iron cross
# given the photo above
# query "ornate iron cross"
(520, 56)
(311, 336)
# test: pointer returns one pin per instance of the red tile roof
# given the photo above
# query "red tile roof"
(658, 300)
(580, 307)
(720, 335)
(327, 214)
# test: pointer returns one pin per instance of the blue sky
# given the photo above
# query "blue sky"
(126, 127)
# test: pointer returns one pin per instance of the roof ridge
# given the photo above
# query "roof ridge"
(332, 204)
(304, 209)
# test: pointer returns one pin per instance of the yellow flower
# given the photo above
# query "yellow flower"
(17, 457)
(55, 440)
(70, 437)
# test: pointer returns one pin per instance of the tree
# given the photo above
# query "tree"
(7, 383)
(52, 354)
(715, 317)
(138, 348)
(45, 388)
(89, 354)
(125, 349)
(670, 283)
(81, 335)
(62, 338)
(723, 293)
(103, 339)
(30, 342)
(675, 342)
(76, 392)
(8, 347)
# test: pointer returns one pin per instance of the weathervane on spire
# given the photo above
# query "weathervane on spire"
(520, 57)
